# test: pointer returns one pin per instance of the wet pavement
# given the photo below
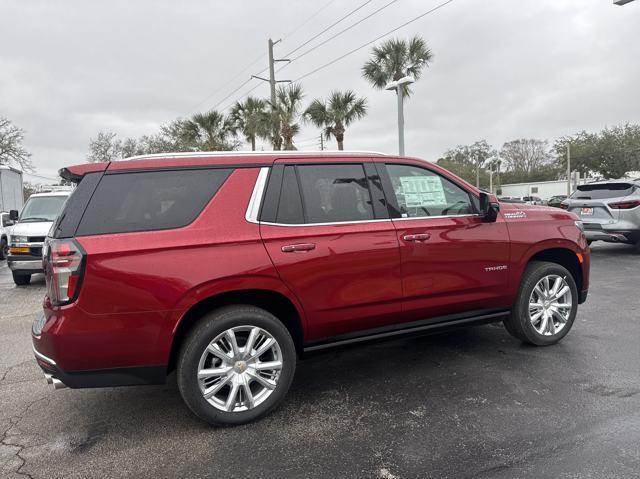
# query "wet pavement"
(469, 403)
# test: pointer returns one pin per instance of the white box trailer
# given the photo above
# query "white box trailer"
(11, 196)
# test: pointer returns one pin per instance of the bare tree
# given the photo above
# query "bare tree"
(104, 147)
(525, 155)
(12, 152)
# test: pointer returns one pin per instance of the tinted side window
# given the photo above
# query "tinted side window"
(67, 222)
(422, 193)
(152, 200)
(333, 193)
(290, 204)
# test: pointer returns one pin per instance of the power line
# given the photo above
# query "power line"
(350, 52)
(308, 20)
(344, 17)
(344, 30)
(224, 85)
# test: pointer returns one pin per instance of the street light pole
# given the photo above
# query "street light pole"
(400, 95)
(397, 86)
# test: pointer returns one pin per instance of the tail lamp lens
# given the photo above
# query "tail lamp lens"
(625, 205)
(63, 268)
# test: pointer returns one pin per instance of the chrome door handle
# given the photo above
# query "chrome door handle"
(417, 237)
(292, 248)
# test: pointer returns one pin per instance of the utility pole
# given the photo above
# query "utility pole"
(272, 77)
(321, 142)
(272, 72)
(400, 120)
(491, 181)
(568, 169)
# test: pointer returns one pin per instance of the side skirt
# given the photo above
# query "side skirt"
(422, 327)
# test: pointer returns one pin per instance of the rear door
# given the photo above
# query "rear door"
(327, 230)
(452, 260)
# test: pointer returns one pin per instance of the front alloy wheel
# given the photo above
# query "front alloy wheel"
(546, 306)
(550, 305)
(240, 368)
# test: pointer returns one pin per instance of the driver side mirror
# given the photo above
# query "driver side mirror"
(13, 215)
(488, 208)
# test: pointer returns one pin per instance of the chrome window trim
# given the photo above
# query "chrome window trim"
(255, 201)
(43, 357)
(436, 217)
(334, 223)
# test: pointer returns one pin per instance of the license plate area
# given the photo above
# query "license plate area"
(586, 211)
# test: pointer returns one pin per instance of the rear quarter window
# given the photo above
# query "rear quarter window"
(153, 200)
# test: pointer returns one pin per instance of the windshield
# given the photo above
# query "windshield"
(42, 208)
(602, 190)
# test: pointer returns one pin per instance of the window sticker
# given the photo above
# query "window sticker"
(422, 191)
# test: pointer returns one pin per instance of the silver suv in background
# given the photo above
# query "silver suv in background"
(609, 210)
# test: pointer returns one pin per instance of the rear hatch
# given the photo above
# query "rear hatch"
(591, 202)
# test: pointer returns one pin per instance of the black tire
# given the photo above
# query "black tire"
(589, 242)
(4, 248)
(518, 322)
(21, 279)
(205, 331)
(638, 247)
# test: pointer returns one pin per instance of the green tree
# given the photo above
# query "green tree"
(335, 115)
(251, 118)
(12, 152)
(395, 59)
(610, 153)
(288, 108)
(469, 162)
(210, 131)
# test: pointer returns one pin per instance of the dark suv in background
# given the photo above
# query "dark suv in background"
(226, 268)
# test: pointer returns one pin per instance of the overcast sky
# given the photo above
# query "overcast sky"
(502, 69)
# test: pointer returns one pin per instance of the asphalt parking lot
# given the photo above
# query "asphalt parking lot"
(469, 403)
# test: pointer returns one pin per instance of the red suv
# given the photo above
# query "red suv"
(226, 268)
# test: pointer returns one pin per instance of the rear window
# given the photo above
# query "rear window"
(602, 191)
(144, 201)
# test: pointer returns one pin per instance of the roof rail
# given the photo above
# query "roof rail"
(191, 154)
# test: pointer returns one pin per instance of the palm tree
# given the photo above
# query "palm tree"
(395, 59)
(288, 106)
(342, 109)
(209, 131)
(251, 118)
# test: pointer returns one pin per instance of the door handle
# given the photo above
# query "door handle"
(292, 248)
(417, 237)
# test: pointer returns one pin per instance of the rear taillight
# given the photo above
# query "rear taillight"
(564, 206)
(63, 263)
(625, 205)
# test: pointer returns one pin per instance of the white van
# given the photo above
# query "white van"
(29, 231)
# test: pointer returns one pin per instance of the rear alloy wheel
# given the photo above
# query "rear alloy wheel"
(236, 365)
(546, 306)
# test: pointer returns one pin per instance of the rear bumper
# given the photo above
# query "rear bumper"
(47, 346)
(25, 264)
(613, 236)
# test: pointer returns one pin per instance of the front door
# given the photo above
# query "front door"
(334, 246)
(452, 260)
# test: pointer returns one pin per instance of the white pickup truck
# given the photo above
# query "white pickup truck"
(29, 231)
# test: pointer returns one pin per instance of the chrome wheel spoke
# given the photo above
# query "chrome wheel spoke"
(251, 341)
(233, 342)
(247, 394)
(261, 380)
(268, 365)
(230, 405)
(562, 292)
(214, 349)
(208, 393)
(266, 345)
(213, 372)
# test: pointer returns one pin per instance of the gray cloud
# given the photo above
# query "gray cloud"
(502, 70)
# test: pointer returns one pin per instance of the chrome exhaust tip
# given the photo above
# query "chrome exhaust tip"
(49, 378)
(57, 384)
